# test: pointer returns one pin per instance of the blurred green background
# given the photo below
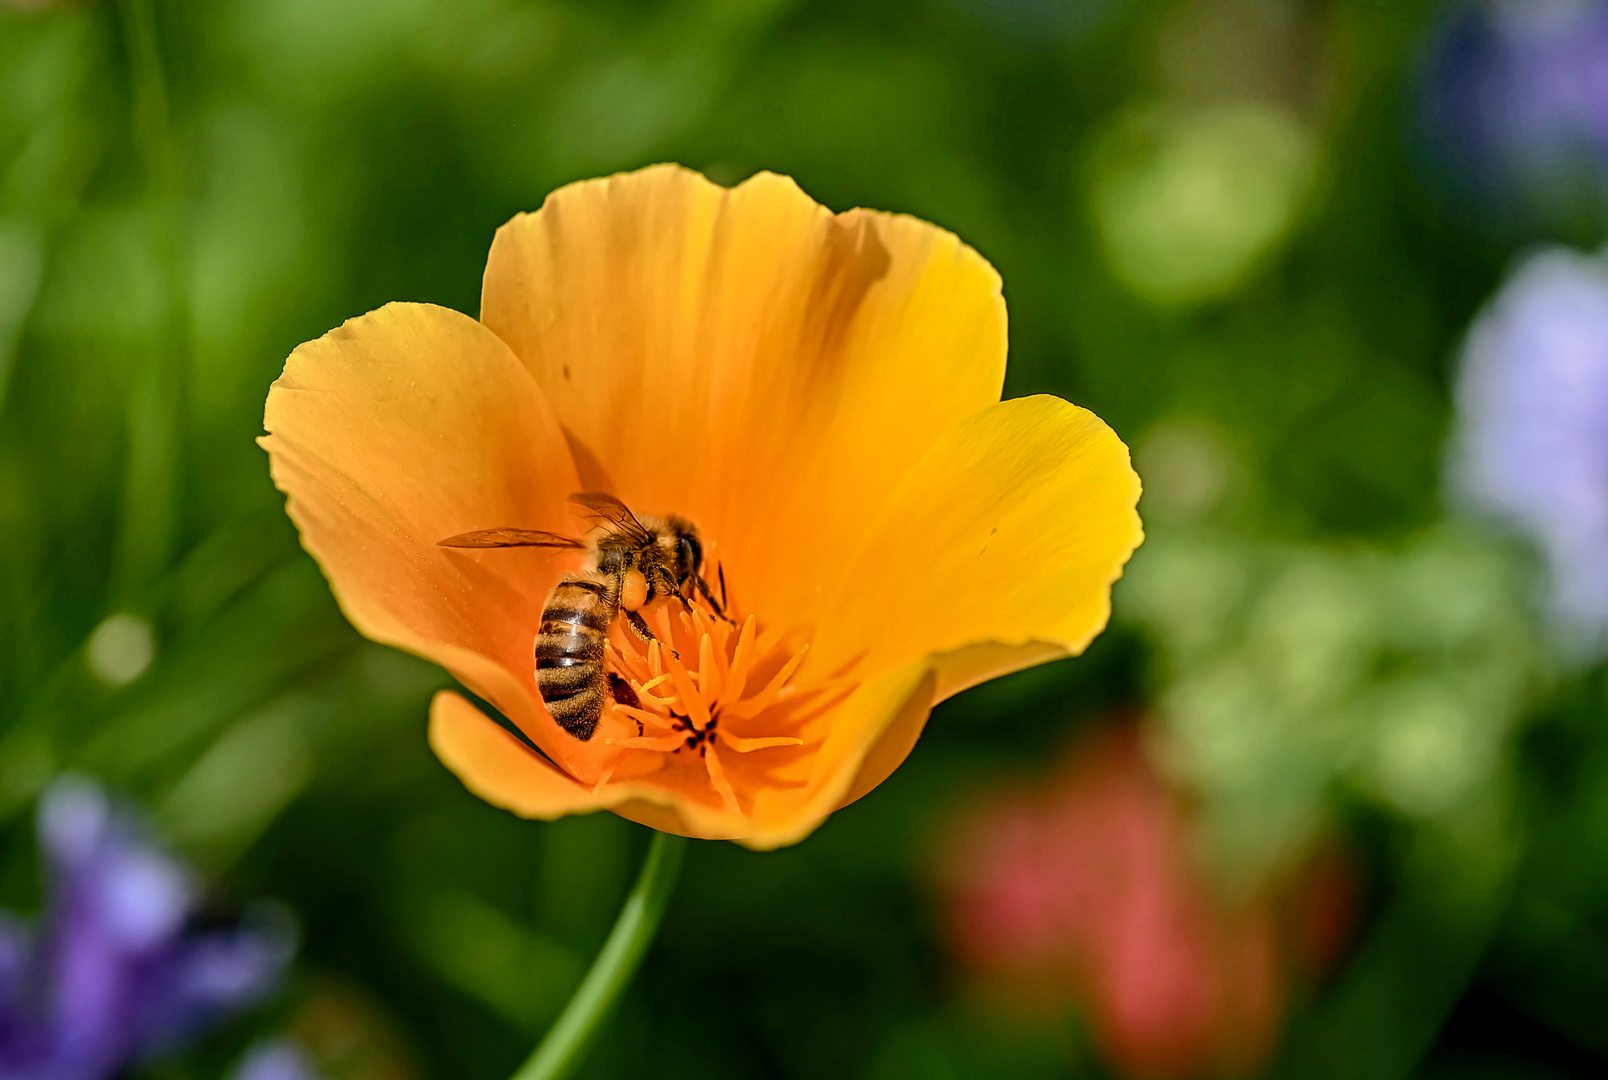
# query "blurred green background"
(1213, 232)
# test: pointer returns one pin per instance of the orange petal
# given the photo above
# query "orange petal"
(746, 357)
(499, 768)
(897, 738)
(998, 550)
(871, 732)
(405, 426)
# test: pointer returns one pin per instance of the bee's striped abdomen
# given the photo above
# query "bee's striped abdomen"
(569, 652)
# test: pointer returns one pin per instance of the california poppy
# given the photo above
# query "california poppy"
(818, 393)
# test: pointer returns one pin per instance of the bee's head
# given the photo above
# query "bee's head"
(688, 549)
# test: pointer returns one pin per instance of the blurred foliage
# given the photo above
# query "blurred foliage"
(1398, 675)
(1212, 232)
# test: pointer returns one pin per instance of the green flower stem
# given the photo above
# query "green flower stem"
(156, 408)
(567, 1042)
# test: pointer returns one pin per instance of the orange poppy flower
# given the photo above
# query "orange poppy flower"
(817, 393)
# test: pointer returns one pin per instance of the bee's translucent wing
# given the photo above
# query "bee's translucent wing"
(609, 508)
(500, 538)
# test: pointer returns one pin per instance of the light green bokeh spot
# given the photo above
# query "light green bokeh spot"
(1188, 202)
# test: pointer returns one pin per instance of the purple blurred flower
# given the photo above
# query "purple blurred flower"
(1533, 422)
(1515, 108)
(118, 969)
(278, 1059)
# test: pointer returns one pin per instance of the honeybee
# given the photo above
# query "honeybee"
(630, 563)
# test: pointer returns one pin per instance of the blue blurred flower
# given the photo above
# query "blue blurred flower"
(120, 966)
(276, 1059)
(1533, 420)
(1515, 109)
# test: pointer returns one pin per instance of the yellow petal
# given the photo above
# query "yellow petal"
(998, 550)
(406, 426)
(747, 358)
(870, 734)
(499, 768)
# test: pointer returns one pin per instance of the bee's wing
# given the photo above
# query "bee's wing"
(609, 508)
(498, 538)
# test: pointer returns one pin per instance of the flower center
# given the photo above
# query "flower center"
(708, 686)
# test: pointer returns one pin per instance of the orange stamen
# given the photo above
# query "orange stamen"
(717, 777)
(741, 665)
(743, 746)
(685, 706)
(767, 697)
(708, 672)
(662, 743)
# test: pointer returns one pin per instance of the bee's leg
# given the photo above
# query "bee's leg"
(643, 631)
(634, 619)
(669, 586)
(620, 690)
(639, 624)
(664, 584)
(703, 587)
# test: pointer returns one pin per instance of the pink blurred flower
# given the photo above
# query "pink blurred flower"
(1085, 891)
